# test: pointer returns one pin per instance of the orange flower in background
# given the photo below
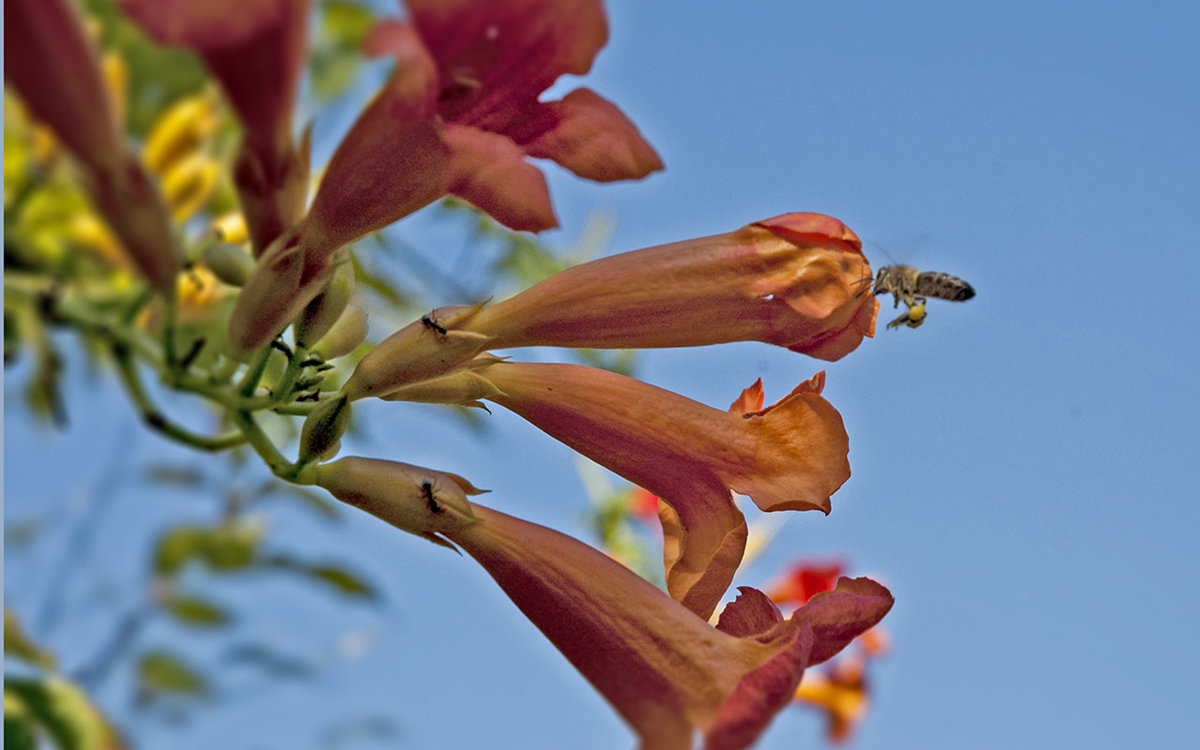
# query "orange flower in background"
(798, 280)
(664, 669)
(841, 692)
(256, 49)
(789, 456)
(55, 68)
(642, 503)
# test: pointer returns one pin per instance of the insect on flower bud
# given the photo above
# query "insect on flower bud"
(229, 263)
(420, 501)
(322, 432)
(324, 311)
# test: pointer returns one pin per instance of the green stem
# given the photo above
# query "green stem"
(153, 417)
(254, 372)
(263, 446)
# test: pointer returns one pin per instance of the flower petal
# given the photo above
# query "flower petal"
(789, 456)
(491, 172)
(392, 162)
(588, 135)
(495, 58)
(665, 670)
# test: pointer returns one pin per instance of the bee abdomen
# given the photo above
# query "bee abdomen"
(943, 286)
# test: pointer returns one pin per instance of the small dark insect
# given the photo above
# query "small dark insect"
(427, 490)
(431, 323)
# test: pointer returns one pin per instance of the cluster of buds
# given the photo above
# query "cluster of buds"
(461, 116)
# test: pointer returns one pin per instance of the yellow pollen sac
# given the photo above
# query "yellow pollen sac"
(916, 315)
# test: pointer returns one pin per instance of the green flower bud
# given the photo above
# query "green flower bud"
(324, 311)
(322, 432)
(229, 263)
(347, 333)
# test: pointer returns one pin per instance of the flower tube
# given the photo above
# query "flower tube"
(788, 456)
(798, 280)
(664, 669)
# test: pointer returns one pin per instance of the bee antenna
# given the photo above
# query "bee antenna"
(883, 250)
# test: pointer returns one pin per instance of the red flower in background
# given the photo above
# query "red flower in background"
(803, 580)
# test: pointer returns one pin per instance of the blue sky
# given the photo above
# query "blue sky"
(1024, 465)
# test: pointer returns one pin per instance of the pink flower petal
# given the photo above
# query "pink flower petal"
(490, 171)
(588, 135)
(496, 56)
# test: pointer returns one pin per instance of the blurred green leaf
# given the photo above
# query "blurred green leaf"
(57, 709)
(336, 55)
(313, 500)
(381, 284)
(162, 674)
(233, 547)
(21, 532)
(263, 657)
(18, 645)
(197, 611)
(223, 549)
(177, 546)
(176, 475)
(337, 577)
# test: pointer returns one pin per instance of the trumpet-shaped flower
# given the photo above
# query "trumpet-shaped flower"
(490, 62)
(789, 456)
(798, 280)
(256, 49)
(459, 115)
(664, 669)
(54, 67)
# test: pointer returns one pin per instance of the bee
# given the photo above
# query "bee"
(912, 287)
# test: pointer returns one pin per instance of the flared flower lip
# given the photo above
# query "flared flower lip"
(664, 669)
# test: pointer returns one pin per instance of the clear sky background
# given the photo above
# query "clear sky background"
(1024, 465)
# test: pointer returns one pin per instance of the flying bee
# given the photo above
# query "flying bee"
(912, 287)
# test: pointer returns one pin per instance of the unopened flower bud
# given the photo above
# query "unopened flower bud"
(179, 131)
(229, 263)
(427, 348)
(188, 184)
(465, 388)
(347, 333)
(324, 311)
(231, 227)
(322, 431)
(420, 501)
